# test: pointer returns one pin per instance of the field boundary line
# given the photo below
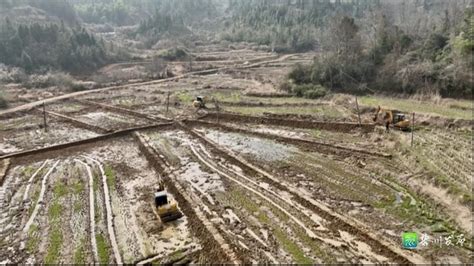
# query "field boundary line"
(91, 209)
(85, 141)
(30, 181)
(110, 216)
(40, 198)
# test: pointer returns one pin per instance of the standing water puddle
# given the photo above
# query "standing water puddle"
(262, 149)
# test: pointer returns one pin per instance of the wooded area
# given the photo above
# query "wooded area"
(395, 59)
(399, 47)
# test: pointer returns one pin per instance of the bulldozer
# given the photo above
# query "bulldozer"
(200, 102)
(392, 118)
(165, 207)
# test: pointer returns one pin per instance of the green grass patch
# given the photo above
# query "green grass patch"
(407, 105)
(60, 189)
(185, 97)
(238, 97)
(95, 183)
(249, 205)
(54, 216)
(33, 239)
(102, 249)
(287, 244)
(79, 253)
(316, 133)
(418, 214)
(110, 174)
(290, 247)
(98, 212)
(78, 187)
(34, 199)
(228, 97)
(54, 248)
(54, 212)
(77, 206)
(28, 171)
(326, 111)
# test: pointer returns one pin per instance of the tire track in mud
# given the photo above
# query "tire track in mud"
(339, 222)
(212, 166)
(3, 170)
(91, 209)
(230, 225)
(30, 181)
(221, 215)
(109, 214)
(272, 200)
(335, 242)
(214, 245)
(169, 261)
(40, 199)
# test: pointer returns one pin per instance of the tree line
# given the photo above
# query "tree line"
(36, 47)
(374, 54)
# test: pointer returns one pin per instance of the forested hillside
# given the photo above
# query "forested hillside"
(363, 46)
(286, 26)
(42, 35)
(428, 53)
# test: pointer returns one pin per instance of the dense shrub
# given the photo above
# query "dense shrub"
(309, 91)
(12, 74)
(438, 64)
(174, 54)
(300, 74)
(316, 92)
(3, 102)
(285, 86)
(50, 79)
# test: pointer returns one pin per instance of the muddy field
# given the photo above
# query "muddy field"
(259, 180)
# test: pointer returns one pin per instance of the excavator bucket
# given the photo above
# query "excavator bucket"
(171, 216)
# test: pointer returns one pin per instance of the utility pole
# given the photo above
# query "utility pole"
(358, 112)
(167, 102)
(45, 124)
(412, 127)
(216, 104)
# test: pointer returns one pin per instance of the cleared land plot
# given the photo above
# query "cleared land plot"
(31, 134)
(111, 120)
(269, 199)
(70, 197)
(256, 221)
(355, 186)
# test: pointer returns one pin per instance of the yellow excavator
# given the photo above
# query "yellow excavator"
(166, 208)
(392, 118)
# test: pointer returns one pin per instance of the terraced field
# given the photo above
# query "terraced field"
(261, 179)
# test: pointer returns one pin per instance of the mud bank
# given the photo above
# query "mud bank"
(311, 124)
